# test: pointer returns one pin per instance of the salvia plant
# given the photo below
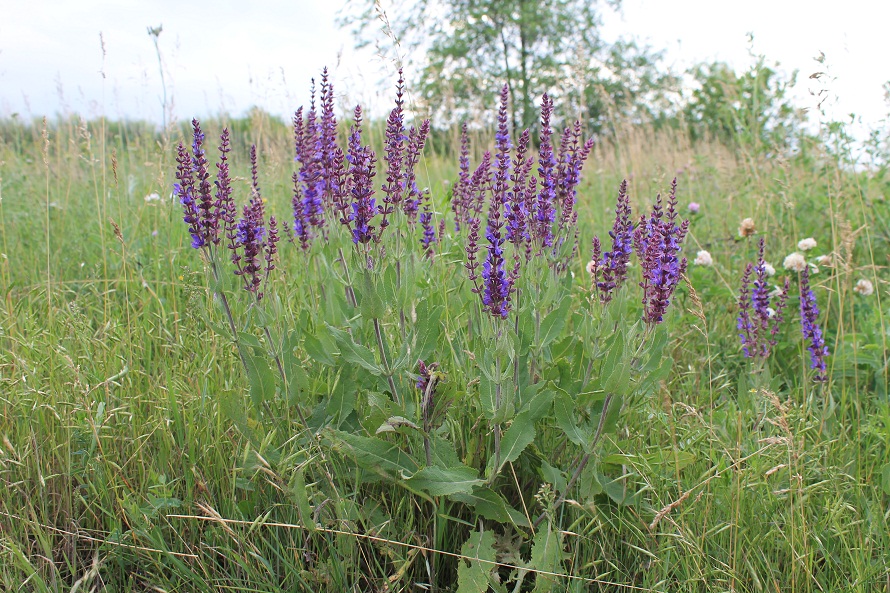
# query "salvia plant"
(762, 312)
(363, 377)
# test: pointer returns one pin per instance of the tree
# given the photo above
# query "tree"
(464, 50)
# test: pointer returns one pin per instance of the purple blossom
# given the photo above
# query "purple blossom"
(460, 195)
(657, 242)
(394, 186)
(544, 211)
(362, 162)
(428, 239)
(515, 210)
(416, 142)
(812, 333)
(613, 266)
(758, 324)
(184, 189)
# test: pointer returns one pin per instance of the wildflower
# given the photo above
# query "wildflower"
(823, 260)
(361, 172)
(864, 287)
(758, 322)
(747, 228)
(658, 245)
(809, 313)
(806, 244)
(693, 207)
(545, 212)
(703, 258)
(795, 262)
(152, 197)
(614, 263)
(770, 271)
(591, 267)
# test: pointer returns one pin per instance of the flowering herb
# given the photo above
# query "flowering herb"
(658, 244)
(812, 333)
(544, 210)
(611, 271)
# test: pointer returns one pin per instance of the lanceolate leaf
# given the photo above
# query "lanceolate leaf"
(520, 434)
(440, 481)
(374, 454)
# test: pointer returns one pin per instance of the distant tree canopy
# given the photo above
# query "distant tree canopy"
(464, 50)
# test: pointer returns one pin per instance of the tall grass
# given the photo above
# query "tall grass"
(121, 472)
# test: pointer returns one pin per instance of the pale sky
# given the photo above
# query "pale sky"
(228, 55)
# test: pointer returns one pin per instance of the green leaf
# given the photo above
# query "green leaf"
(319, 351)
(885, 478)
(371, 306)
(301, 498)
(232, 408)
(520, 434)
(537, 399)
(355, 353)
(394, 423)
(564, 411)
(440, 481)
(343, 396)
(546, 556)
(553, 323)
(554, 476)
(487, 396)
(260, 378)
(426, 330)
(374, 454)
(491, 506)
(472, 575)
(615, 368)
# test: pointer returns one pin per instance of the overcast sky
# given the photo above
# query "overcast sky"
(228, 55)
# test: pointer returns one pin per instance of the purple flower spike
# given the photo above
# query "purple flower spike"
(809, 314)
(515, 205)
(614, 263)
(758, 323)
(545, 208)
(394, 186)
(416, 142)
(461, 196)
(184, 189)
(361, 174)
(657, 242)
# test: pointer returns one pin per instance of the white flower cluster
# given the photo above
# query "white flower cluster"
(703, 258)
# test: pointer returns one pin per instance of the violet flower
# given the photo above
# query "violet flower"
(460, 194)
(809, 314)
(361, 174)
(658, 244)
(416, 142)
(758, 323)
(515, 206)
(611, 271)
(394, 186)
(544, 211)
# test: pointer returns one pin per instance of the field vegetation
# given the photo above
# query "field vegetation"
(370, 423)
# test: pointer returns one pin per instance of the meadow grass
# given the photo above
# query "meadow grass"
(121, 472)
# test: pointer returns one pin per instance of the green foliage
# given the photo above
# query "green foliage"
(131, 429)
(471, 48)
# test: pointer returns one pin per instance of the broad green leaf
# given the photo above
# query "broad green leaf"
(374, 454)
(343, 396)
(614, 369)
(232, 408)
(520, 434)
(537, 399)
(564, 411)
(394, 423)
(371, 305)
(427, 329)
(547, 556)
(440, 481)
(487, 396)
(553, 324)
(317, 350)
(355, 353)
(491, 506)
(554, 476)
(472, 575)
(260, 378)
